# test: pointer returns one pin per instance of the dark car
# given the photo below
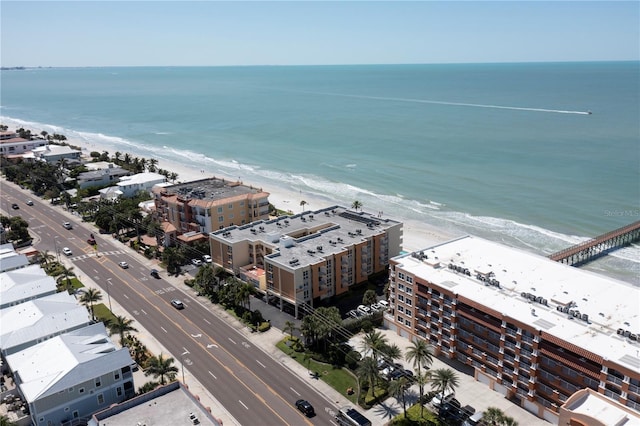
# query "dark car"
(155, 273)
(15, 206)
(304, 406)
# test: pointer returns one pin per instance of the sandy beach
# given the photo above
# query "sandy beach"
(417, 235)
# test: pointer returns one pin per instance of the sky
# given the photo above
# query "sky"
(219, 33)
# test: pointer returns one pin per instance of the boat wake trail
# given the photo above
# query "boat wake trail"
(426, 101)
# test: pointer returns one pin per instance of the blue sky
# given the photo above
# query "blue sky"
(146, 33)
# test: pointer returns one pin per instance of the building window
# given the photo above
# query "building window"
(230, 206)
(100, 399)
(220, 219)
(116, 375)
(119, 391)
(76, 414)
(219, 209)
(230, 216)
(66, 409)
(241, 203)
(70, 390)
(80, 390)
(98, 382)
(41, 420)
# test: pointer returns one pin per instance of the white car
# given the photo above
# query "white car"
(206, 258)
(67, 225)
(365, 310)
(123, 265)
(67, 251)
(383, 304)
(196, 262)
(440, 399)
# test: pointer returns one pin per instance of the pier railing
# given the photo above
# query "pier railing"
(598, 246)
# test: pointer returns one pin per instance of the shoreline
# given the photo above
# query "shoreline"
(416, 235)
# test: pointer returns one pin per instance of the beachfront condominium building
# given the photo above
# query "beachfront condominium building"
(532, 329)
(209, 204)
(302, 259)
(67, 378)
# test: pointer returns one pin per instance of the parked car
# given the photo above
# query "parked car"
(206, 258)
(383, 304)
(29, 202)
(177, 304)
(15, 206)
(352, 313)
(305, 407)
(67, 251)
(155, 273)
(376, 307)
(123, 265)
(474, 420)
(196, 262)
(365, 310)
(441, 398)
(67, 225)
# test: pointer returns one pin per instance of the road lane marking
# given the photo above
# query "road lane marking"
(213, 375)
(261, 364)
(212, 345)
(125, 295)
(231, 340)
(243, 404)
(197, 335)
(207, 321)
(142, 310)
(164, 329)
(294, 391)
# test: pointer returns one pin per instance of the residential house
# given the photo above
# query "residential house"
(65, 379)
(24, 284)
(40, 319)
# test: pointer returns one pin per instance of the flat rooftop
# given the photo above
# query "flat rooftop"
(537, 291)
(209, 189)
(602, 409)
(306, 238)
(174, 407)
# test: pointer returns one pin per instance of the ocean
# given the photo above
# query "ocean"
(539, 156)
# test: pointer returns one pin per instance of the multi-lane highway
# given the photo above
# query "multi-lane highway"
(252, 386)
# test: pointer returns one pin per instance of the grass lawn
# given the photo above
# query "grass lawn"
(338, 378)
(103, 313)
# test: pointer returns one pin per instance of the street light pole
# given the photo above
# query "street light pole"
(108, 295)
(55, 243)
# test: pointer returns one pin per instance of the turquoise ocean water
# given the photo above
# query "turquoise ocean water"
(508, 152)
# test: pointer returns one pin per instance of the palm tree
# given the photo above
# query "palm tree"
(356, 205)
(90, 296)
(492, 416)
(289, 327)
(302, 204)
(419, 353)
(152, 165)
(243, 295)
(391, 352)
(444, 379)
(398, 389)
(374, 341)
(67, 273)
(121, 325)
(368, 370)
(158, 366)
(46, 258)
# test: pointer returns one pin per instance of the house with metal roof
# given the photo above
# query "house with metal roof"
(40, 319)
(24, 284)
(69, 377)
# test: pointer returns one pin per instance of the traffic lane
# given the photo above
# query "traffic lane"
(277, 378)
(171, 327)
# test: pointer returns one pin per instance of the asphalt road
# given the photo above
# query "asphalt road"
(253, 387)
